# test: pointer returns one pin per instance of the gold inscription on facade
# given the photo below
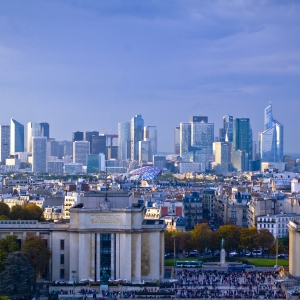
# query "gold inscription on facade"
(106, 219)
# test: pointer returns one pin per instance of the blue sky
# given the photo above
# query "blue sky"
(87, 65)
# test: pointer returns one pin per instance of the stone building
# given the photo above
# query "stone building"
(106, 231)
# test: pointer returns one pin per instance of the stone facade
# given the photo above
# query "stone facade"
(106, 232)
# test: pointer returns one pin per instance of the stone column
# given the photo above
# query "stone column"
(98, 256)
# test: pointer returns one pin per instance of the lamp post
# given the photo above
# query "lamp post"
(73, 276)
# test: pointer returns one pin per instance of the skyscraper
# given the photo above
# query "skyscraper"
(4, 142)
(185, 140)
(227, 130)
(77, 136)
(177, 140)
(87, 136)
(202, 136)
(124, 141)
(150, 134)
(45, 130)
(242, 141)
(144, 151)
(80, 151)
(99, 144)
(271, 139)
(16, 137)
(33, 130)
(136, 135)
(39, 148)
(222, 152)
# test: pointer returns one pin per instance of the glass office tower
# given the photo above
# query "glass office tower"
(271, 139)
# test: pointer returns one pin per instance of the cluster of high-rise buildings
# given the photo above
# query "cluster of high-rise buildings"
(233, 149)
(195, 146)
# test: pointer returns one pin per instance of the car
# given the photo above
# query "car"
(282, 255)
(233, 253)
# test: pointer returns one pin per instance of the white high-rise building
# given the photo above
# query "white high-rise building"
(80, 151)
(16, 137)
(33, 130)
(222, 152)
(39, 149)
(150, 134)
(4, 142)
(271, 139)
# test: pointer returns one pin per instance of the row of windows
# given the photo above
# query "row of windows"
(18, 222)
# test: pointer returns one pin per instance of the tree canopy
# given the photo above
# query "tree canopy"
(29, 211)
(235, 237)
(17, 276)
(7, 245)
(39, 254)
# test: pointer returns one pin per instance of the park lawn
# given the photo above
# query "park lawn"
(258, 262)
(267, 262)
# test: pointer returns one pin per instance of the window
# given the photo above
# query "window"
(62, 274)
(62, 244)
(62, 259)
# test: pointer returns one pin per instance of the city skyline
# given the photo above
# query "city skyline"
(89, 65)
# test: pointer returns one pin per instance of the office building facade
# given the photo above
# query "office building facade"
(271, 139)
(124, 147)
(150, 134)
(177, 140)
(33, 130)
(45, 129)
(80, 151)
(242, 141)
(136, 135)
(16, 137)
(4, 142)
(39, 149)
(222, 152)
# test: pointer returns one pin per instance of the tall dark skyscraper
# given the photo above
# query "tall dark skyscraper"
(99, 144)
(45, 130)
(87, 136)
(242, 142)
(77, 136)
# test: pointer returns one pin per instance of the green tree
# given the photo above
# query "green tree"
(265, 239)
(17, 276)
(33, 212)
(2, 217)
(231, 235)
(8, 245)
(16, 213)
(200, 236)
(4, 209)
(39, 255)
(248, 238)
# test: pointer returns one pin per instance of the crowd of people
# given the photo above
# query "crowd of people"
(206, 284)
